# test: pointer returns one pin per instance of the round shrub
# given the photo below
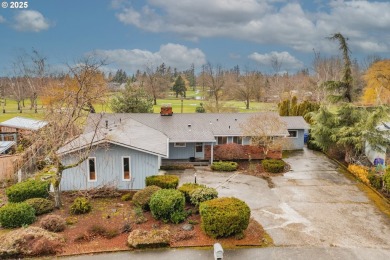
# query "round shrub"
(41, 205)
(16, 215)
(53, 223)
(224, 166)
(272, 165)
(80, 205)
(202, 194)
(163, 181)
(27, 190)
(186, 188)
(168, 205)
(142, 197)
(224, 217)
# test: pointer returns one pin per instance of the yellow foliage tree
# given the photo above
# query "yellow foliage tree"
(377, 77)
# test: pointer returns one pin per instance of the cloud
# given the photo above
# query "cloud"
(285, 60)
(30, 21)
(2, 19)
(174, 55)
(287, 23)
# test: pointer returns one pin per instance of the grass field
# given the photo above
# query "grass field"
(192, 100)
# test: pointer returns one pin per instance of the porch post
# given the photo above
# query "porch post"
(212, 153)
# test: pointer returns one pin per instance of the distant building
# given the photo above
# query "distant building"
(15, 128)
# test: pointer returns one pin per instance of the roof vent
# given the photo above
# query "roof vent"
(217, 119)
(235, 119)
(229, 126)
(106, 123)
(189, 125)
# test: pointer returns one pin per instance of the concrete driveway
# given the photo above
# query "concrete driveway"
(313, 205)
(313, 212)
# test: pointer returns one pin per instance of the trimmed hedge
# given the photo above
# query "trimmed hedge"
(224, 217)
(16, 215)
(202, 194)
(27, 190)
(163, 181)
(186, 189)
(272, 165)
(80, 205)
(168, 205)
(41, 205)
(142, 197)
(224, 166)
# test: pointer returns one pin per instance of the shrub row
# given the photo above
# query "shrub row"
(224, 217)
(224, 166)
(27, 190)
(163, 181)
(176, 167)
(272, 165)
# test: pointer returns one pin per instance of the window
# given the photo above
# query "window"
(221, 139)
(179, 145)
(237, 139)
(292, 133)
(92, 169)
(126, 168)
(199, 147)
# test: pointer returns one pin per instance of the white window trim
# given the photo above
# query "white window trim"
(89, 174)
(180, 146)
(123, 168)
(293, 136)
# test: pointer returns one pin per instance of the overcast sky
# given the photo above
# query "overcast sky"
(248, 33)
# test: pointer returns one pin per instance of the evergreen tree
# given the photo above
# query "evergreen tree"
(132, 100)
(179, 87)
(120, 76)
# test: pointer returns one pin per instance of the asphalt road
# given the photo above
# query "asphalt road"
(313, 212)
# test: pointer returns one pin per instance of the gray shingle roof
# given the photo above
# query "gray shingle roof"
(295, 122)
(129, 133)
(24, 123)
(195, 127)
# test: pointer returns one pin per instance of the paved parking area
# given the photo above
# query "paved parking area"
(312, 205)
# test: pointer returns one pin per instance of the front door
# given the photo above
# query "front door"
(199, 151)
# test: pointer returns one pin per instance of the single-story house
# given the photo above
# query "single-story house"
(14, 128)
(380, 155)
(129, 147)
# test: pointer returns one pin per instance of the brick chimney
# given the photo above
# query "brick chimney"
(166, 110)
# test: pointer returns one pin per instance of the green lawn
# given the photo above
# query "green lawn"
(189, 104)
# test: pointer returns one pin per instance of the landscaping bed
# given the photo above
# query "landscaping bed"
(108, 225)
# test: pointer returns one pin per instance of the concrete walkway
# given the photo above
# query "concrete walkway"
(313, 212)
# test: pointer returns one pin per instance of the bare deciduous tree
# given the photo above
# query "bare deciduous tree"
(215, 80)
(266, 130)
(66, 115)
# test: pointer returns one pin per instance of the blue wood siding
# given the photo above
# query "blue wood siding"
(109, 169)
(295, 143)
(181, 152)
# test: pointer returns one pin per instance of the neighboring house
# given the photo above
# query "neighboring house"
(381, 154)
(15, 128)
(129, 147)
